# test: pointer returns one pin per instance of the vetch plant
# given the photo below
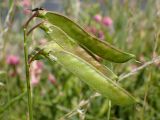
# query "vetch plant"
(75, 49)
(60, 93)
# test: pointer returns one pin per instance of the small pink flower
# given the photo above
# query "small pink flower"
(35, 71)
(100, 35)
(26, 3)
(39, 65)
(13, 60)
(34, 80)
(98, 18)
(107, 21)
(52, 78)
(92, 30)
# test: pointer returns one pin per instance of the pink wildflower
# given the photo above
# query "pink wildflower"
(98, 18)
(39, 66)
(52, 78)
(100, 35)
(36, 70)
(95, 32)
(34, 79)
(107, 21)
(26, 3)
(13, 60)
(92, 30)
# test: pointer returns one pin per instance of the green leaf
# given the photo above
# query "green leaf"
(68, 44)
(2, 75)
(1, 84)
(89, 42)
(89, 74)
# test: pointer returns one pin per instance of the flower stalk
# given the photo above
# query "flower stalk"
(27, 75)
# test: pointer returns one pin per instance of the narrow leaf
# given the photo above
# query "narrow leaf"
(2, 75)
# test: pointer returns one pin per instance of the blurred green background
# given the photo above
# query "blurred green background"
(57, 93)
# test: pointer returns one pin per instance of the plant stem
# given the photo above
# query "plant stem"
(8, 91)
(109, 109)
(82, 104)
(34, 27)
(34, 15)
(11, 102)
(27, 76)
(147, 85)
(134, 71)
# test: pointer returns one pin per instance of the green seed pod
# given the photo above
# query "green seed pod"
(62, 39)
(78, 34)
(93, 78)
(89, 74)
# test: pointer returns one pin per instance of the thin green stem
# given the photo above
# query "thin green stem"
(11, 102)
(147, 85)
(36, 26)
(109, 110)
(28, 21)
(134, 71)
(8, 91)
(27, 77)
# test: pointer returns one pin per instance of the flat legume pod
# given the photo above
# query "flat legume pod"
(68, 44)
(89, 42)
(89, 75)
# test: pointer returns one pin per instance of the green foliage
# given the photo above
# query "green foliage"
(3, 75)
(135, 29)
